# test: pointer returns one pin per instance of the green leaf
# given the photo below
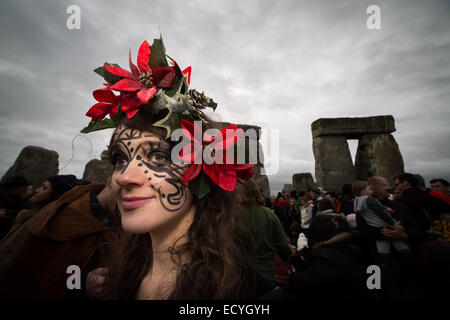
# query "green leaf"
(158, 54)
(169, 122)
(176, 86)
(99, 125)
(109, 77)
(162, 101)
(172, 121)
(201, 185)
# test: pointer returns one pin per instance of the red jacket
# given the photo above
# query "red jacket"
(440, 195)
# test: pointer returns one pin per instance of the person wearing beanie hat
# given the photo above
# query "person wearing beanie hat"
(60, 184)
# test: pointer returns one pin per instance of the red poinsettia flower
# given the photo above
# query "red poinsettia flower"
(187, 72)
(108, 103)
(224, 174)
(142, 82)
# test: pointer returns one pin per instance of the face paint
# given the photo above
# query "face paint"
(146, 183)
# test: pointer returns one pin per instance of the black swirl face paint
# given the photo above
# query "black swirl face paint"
(151, 156)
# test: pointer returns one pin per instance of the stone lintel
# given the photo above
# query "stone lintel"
(352, 128)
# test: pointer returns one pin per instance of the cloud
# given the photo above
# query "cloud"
(279, 65)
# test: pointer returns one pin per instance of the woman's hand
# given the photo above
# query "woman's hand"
(95, 283)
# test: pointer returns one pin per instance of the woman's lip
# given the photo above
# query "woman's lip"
(134, 203)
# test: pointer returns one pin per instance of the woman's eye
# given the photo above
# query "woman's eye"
(159, 159)
(119, 161)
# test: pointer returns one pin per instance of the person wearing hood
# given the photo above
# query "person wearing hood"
(50, 190)
(74, 230)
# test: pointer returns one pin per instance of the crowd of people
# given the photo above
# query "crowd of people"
(403, 229)
(303, 245)
(189, 223)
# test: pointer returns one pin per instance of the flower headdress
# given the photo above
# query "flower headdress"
(162, 86)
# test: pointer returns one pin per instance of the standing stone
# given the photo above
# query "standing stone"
(378, 154)
(98, 170)
(261, 180)
(334, 165)
(288, 187)
(352, 128)
(35, 164)
(302, 181)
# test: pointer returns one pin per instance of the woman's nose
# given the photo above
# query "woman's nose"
(133, 176)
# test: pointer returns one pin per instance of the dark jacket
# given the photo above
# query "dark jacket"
(335, 270)
(368, 234)
(423, 207)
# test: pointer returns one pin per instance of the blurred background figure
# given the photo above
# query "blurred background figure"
(265, 232)
(14, 196)
(333, 268)
(440, 185)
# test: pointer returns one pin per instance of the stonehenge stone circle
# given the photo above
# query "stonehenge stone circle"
(377, 154)
(260, 179)
(35, 164)
(302, 181)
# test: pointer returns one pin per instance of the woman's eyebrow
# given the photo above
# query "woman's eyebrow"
(120, 146)
(159, 145)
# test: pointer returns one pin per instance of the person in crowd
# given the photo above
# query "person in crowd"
(333, 268)
(396, 194)
(347, 199)
(440, 185)
(15, 193)
(50, 190)
(315, 195)
(431, 192)
(283, 200)
(300, 196)
(183, 236)
(73, 230)
(265, 230)
(293, 232)
(331, 196)
(292, 214)
(392, 254)
(408, 227)
(325, 206)
(306, 207)
(423, 207)
(279, 212)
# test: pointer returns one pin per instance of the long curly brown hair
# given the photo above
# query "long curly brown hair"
(218, 267)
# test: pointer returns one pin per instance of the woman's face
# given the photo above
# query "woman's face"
(292, 202)
(147, 185)
(42, 194)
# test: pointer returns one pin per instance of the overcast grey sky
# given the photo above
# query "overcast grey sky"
(275, 64)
